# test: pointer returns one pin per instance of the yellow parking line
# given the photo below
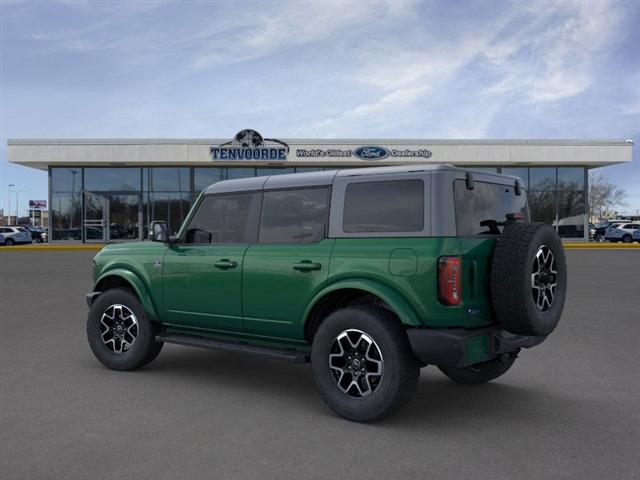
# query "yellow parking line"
(601, 246)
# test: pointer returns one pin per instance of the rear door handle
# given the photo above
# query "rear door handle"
(225, 264)
(306, 266)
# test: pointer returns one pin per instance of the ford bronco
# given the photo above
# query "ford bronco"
(368, 274)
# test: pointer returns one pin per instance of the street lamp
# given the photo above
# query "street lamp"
(9, 211)
(18, 192)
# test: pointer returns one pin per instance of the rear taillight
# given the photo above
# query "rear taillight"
(449, 283)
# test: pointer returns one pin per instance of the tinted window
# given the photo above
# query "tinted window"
(294, 216)
(479, 210)
(225, 219)
(385, 206)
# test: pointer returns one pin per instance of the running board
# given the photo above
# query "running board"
(288, 355)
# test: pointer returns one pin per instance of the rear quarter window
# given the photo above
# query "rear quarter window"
(481, 211)
(384, 206)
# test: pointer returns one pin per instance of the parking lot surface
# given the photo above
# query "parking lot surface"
(569, 408)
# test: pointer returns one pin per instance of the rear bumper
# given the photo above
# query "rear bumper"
(457, 347)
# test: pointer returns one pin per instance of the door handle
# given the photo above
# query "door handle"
(306, 266)
(225, 264)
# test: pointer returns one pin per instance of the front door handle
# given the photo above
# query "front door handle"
(225, 264)
(306, 266)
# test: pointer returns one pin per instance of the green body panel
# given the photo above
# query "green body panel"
(266, 300)
(277, 286)
(134, 262)
(198, 294)
(389, 262)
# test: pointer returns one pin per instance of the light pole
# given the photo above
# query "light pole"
(18, 192)
(9, 211)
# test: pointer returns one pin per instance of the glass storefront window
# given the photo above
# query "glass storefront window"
(203, 177)
(570, 178)
(66, 216)
(542, 205)
(240, 173)
(273, 171)
(167, 179)
(522, 172)
(112, 179)
(172, 207)
(571, 214)
(542, 178)
(66, 179)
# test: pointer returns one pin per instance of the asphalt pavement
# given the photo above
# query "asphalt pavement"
(569, 408)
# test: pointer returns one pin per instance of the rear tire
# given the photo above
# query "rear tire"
(626, 239)
(9, 242)
(119, 333)
(479, 373)
(371, 342)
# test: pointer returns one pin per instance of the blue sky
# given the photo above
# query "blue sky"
(323, 69)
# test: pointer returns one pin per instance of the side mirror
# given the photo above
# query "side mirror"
(159, 231)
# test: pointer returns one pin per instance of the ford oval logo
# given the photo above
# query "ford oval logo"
(371, 153)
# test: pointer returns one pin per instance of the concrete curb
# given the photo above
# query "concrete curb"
(95, 248)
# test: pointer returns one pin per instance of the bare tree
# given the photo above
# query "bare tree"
(604, 196)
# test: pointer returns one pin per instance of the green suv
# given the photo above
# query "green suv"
(369, 274)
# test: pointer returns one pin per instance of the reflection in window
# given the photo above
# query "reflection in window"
(65, 216)
(171, 207)
(203, 177)
(542, 178)
(167, 179)
(384, 206)
(111, 179)
(273, 171)
(543, 206)
(294, 216)
(481, 210)
(229, 218)
(240, 173)
(66, 179)
(571, 214)
(522, 172)
(570, 178)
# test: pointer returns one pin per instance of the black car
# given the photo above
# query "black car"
(38, 234)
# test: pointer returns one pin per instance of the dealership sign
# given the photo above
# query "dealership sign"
(250, 145)
(366, 152)
(38, 204)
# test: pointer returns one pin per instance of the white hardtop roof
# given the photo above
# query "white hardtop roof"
(322, 178)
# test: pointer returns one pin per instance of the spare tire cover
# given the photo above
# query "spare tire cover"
(528, 279)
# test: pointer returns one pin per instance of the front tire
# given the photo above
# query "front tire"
(626, 239)
(599, 238)
(481, 372)
(362, 363)
(119, 333)
(9, 242)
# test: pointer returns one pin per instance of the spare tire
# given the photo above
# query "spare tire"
(528, 278)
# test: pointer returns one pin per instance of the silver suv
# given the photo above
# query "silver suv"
(15, 235)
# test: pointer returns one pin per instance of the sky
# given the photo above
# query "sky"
(387, 69)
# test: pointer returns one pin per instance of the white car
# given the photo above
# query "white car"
(622, 233)
(15, 235)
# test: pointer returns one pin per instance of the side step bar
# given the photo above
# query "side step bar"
(288, 355)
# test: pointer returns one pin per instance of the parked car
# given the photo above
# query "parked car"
(369, 274)
(600, 231)
(38, 234)
(622, 232)
(15, 235)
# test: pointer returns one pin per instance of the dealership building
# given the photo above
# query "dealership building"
(109, 190)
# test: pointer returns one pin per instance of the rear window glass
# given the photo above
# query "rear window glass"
(384, 206)
(294, 216)
(484, 209)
